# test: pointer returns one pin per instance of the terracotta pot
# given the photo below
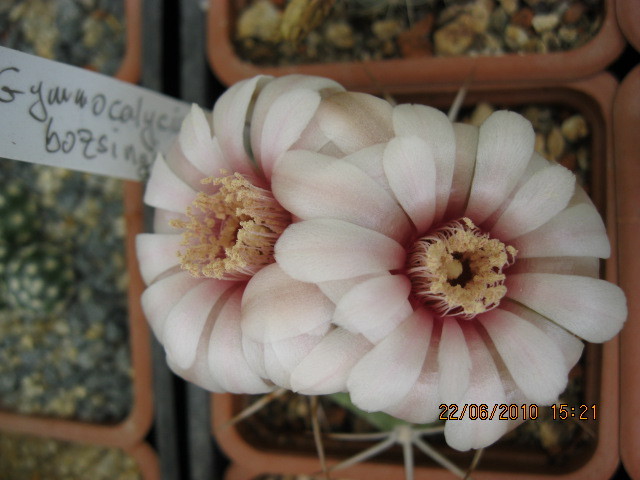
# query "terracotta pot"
(129, 70)
(581, 62)
(255, 454)
(626, 118)
(629, 20)
(134, 427)
(147, 461)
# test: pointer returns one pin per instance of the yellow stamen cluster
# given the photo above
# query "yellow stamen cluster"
(457, 270)
(231, 234)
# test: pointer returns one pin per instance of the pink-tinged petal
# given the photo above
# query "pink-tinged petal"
(369, 160)
(375, 306)
(354, 120)
(570, 345)
(326, 369)
(185, 324)
(421, 404)
(276, 307)
(533, 359)
(409, 167)
(541, 198)
(311, 185)
(485, 387)
(583, 266)
(230, 116)
(434, 127)
(165, 190)
(454, 362)
(156, 253)
(466, 150)
(576, 231)
(591, 308)
(288, 116)
(183, 169)
(281, 358)
(254, 353)
(273, 91)
(326, 249)
(386, 374)
(162, 220)
(227, 362)
(335, 289)
(160, 297)
(199, 373)
(505, 146)
(197, 143)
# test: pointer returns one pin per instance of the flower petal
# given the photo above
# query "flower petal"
(369, 160)
(454, 362)
(583, 266)
(485, 387)
(227, 362)
(326, 249)
(199, 373)
(434, 127)
(533, 359)
(230, 115)
(543, 196)
(387, 373)
(185, 324)
(466, 150)
(409, 166)
(590, 308)
(570, 345)
(505, 146)
(156, 253)
(162, 220)
(165, 190)
(353, 120)
(421, 404)
(281, 358)
(311, 185)
(160, 297)
(326, 369)
(375, 307)
(198, 145)
(276, 307)
(270, 106)
(576, 231)
(288, 117)
(335, 289)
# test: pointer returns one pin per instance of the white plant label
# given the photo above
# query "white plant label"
(64, 116)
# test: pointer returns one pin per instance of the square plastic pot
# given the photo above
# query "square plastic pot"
(132, 429)
(561, 66)
(626, 118)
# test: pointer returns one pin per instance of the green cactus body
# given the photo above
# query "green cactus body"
(19, 215)
(39, 278)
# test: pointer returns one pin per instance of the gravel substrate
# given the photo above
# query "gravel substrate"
(29, 458)
(360, 30)
(64, 348)
(85, 33)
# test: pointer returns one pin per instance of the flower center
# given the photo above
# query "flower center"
(231, 234)
(457, 269)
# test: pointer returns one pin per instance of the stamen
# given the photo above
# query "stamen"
(457, 270)
(231, 234)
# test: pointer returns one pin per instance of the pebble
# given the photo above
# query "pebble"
(545, 23)
(340, 35)
(516, 37)
(385, 30)
(555, 144)
(575, 128)
(260, 21)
